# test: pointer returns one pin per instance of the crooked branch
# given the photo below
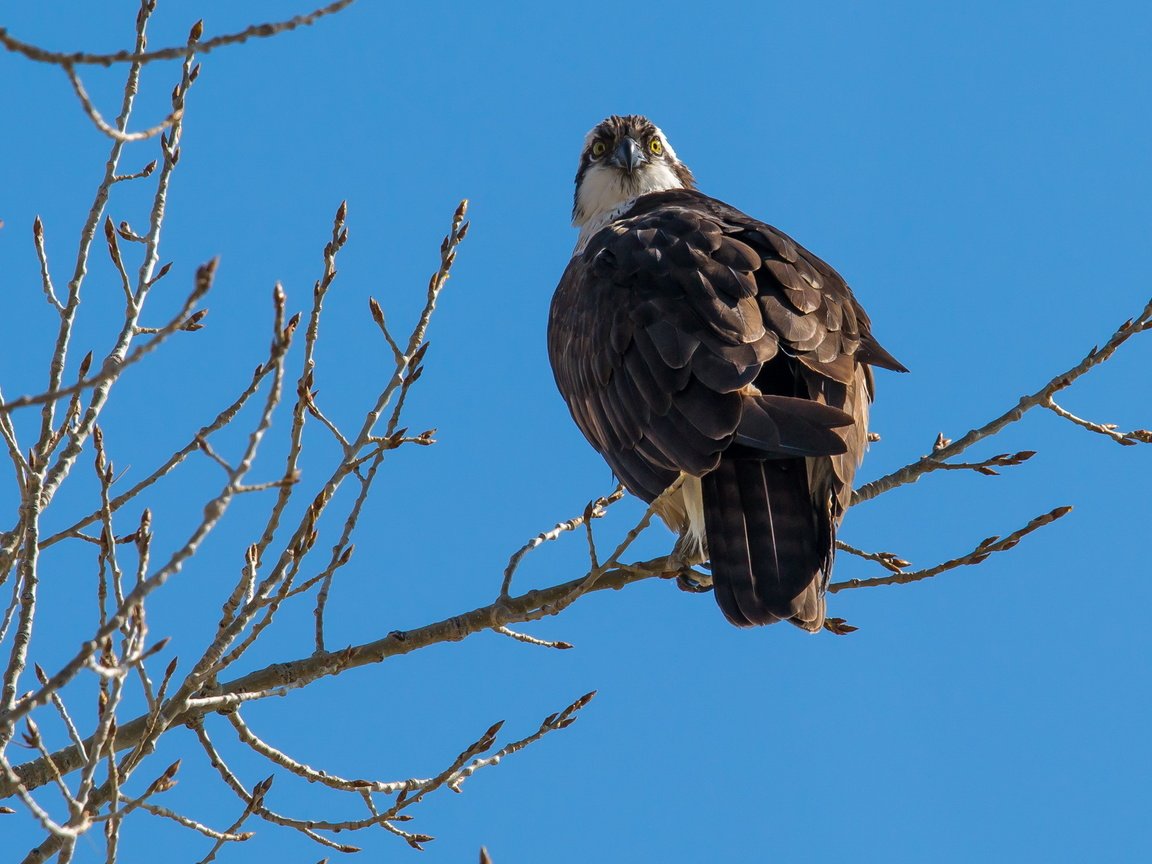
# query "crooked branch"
(914, 471)
(985, 548)
(255, 31)
(298, 673)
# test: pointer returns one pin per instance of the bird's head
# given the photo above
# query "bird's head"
(624, 158)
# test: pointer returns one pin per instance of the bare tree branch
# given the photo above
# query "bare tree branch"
(140, 56)
(100, 123)
(978, 555)
(295, 552)
(915, 470)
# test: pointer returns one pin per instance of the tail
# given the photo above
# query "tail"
(770, 546)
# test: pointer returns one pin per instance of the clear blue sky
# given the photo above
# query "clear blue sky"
(978, 172)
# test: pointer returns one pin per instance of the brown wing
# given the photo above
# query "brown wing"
(660, 325)
(688, 334)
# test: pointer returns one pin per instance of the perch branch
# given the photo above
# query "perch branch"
(914, 471)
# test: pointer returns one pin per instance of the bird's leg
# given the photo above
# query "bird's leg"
(687, 554)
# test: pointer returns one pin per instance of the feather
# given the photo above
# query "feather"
(873, 353)
(722, 278)
(737, 255)
(786, 426)
(687, 337)
(792, 327)
(762, 537)
(833, 316)
(727, 544)
(633, 413)
(620, 332)
(667, 378)
(840, 368)
(682, 444)
(643, 477)
(716, 415)
(656, 397)
(777, 244)
(720, 374)
(675, 346)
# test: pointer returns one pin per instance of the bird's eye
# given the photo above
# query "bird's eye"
(598, 149)
(655, 147)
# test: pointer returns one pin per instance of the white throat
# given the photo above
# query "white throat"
(606, 193)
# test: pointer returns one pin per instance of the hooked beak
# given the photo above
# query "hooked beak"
(627, 155)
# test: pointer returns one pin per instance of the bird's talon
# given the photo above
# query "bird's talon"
(689, 580)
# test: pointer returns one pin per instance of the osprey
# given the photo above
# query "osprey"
(692, 341)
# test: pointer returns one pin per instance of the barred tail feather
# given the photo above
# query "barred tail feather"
(767, 550)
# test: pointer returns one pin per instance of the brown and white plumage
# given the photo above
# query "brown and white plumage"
(688, 338)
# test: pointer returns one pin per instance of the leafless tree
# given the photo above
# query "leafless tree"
(108, 772)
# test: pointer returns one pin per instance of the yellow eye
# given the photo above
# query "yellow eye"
(655, 147)
(598, 149)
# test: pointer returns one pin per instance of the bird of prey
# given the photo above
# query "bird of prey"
(692, 341)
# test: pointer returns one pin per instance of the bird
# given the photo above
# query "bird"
(722, 370)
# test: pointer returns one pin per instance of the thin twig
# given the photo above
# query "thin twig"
(254, 799)
(113, 367)
(213, 512)
(146, 171)
(28, 581)
(531, 640)
(278, 757)
(45, 273)
(986, 547)
(100, 123)
(118, 262)
(58, 702)
(140, 57)
(200, 828)
(551, 723)
(88, 233)
(14, 786)
(915, 470)
(145, 279)
(1127, 439)
(224, 418)
(888, 560)
(594, 510)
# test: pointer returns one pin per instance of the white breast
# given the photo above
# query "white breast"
(605, 193)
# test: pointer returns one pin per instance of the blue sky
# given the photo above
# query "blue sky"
(980, 175)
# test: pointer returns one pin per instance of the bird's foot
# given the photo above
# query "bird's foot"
(693, 581)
